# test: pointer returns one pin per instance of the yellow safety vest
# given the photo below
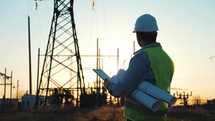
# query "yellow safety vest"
(163, 69)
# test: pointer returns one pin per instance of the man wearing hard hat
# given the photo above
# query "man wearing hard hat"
(152, 64)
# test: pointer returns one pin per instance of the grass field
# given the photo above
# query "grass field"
(100, 114)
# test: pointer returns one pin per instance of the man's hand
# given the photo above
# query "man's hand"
(106, 83)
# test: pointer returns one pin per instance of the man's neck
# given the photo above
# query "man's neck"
(144, 43)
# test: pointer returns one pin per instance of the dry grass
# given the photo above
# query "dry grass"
(105, 113)
(99, 114)
(196, 114)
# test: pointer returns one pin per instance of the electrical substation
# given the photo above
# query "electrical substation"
(101, 60)
(60, 80)
(183, 97)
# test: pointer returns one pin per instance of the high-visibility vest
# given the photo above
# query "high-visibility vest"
(163, 69)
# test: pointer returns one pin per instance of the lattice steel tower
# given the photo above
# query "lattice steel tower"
(62, 69)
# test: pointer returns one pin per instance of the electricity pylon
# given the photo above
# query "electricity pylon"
(62, 68)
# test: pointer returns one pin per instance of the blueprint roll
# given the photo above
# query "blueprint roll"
(146, 100)
(157, 93)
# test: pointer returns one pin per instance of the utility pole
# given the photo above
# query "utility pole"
(5, 77)
(38, 68)
(29, 47)
(17, 92)
(11, 88)
(97, 77)
(4, 97)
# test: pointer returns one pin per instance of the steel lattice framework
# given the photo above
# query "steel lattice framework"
(62, 68)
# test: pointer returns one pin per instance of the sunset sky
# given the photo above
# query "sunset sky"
(186, 33)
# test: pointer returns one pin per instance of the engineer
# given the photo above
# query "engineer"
(151, 63)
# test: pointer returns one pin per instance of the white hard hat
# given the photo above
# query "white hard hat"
(146, 23)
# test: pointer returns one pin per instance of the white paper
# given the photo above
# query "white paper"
(146, 100)
(157, 92)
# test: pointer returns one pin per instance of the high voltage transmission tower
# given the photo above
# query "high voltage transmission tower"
(62, 69)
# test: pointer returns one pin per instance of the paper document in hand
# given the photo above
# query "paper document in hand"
(102, 74)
